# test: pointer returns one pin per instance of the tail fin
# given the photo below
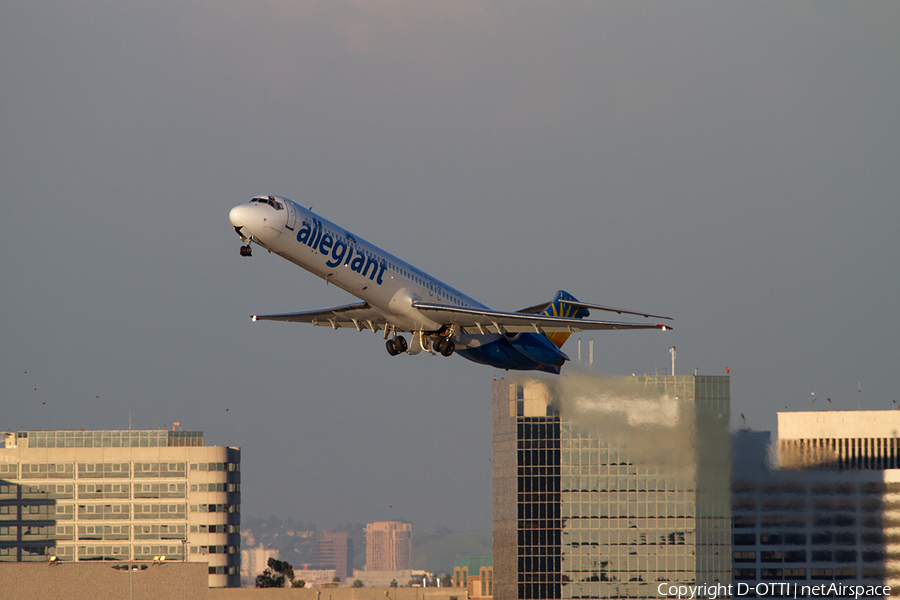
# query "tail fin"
(559, 308)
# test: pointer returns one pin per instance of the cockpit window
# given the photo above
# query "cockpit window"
(270, 201)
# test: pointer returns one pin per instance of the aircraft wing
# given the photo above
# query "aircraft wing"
(473, 320)
(360, 316)
(468, 320)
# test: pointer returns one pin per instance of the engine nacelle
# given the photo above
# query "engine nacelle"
(407, 317)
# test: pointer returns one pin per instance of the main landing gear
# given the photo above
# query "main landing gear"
(396, 345)
(246, 250)
(443, 345)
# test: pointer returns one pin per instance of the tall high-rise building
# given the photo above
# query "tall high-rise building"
(334, 551)
(605, 488)
(120, 496)
(822, 503)
(388, 546)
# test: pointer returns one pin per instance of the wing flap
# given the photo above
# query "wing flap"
(358, 316)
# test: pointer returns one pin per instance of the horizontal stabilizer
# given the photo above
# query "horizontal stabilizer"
(620, 311)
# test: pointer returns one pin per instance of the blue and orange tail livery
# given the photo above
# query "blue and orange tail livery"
(559, 308)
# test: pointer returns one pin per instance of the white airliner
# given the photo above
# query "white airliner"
(397, 297)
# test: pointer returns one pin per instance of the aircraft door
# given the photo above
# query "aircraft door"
(291, 215)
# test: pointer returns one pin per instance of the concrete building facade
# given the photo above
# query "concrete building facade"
(388, 546)
(822, 503)
(121, 496)
(606, 488)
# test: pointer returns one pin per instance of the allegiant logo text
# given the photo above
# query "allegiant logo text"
(341, 251)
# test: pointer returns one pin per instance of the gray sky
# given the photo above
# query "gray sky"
(731, 164)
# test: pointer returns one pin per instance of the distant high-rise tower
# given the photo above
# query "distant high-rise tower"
(334, 551)
(605, 487)
(388, 546)
(121, 496)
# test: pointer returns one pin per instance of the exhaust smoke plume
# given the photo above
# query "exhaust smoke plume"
(646, 425)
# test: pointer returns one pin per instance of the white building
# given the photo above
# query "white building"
(253, 562)
(820, 504)
(120, 496)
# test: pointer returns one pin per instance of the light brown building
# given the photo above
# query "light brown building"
(121, 496)
(388, 546)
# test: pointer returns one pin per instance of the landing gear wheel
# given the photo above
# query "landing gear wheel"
(437, 344)
(447, 347)
(395, 345)
(391, 346)
(246, 250)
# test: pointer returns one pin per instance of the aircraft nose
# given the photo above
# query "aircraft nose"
(239, 215)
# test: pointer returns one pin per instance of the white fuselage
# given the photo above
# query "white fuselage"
(329, 251)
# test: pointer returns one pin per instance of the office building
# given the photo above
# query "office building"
(821, 504)
(604, 488)
(121, 496)
(388, 546)
(334, 551)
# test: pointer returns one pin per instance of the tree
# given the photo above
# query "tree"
(298, 583)
(269, 579)
(275, 575)
(282, 567)
(357, 583)
(394, 583)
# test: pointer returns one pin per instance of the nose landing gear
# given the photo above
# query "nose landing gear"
(246, 250)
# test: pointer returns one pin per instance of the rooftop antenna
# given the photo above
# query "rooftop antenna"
(591, 351)
(130, 421)
(813, 400)
(672, 352)
(579, 349)
(858, 396)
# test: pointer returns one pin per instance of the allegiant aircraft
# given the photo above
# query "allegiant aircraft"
(397, 297)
